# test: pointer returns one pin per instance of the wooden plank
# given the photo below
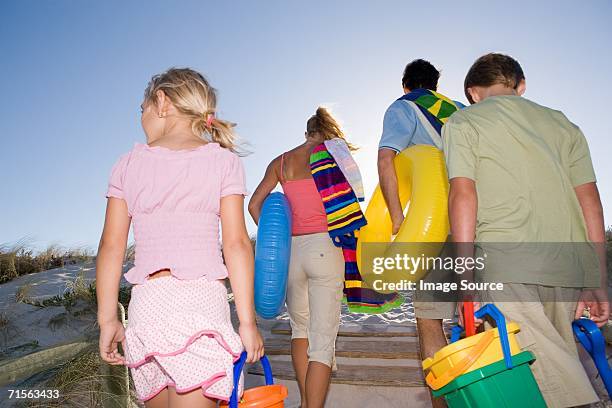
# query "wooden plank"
(39, 361)
(372, 375)
(354, 348)
(368, 331)
(360, 331)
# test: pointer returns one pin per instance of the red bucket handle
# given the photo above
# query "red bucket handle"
(468, 319)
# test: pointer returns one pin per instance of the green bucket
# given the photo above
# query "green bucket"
(496, 386)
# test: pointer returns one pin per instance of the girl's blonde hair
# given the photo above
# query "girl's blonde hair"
(196, 99)
(324, 122)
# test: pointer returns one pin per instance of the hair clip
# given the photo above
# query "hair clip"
(209, 120)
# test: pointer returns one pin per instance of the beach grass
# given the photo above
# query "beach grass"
(79, 288)
(86, 381)
(22, 294)
(20, 259)
(76, 290)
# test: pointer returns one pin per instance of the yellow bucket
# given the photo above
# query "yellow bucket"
(469, 354)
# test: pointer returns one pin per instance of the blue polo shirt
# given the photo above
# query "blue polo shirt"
(402, 128)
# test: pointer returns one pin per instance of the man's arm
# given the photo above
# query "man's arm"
(388, 185)
(592, 211)
(399, 125)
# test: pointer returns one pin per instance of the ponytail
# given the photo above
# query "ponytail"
(324, 122)
(219, 131)
(196, 99)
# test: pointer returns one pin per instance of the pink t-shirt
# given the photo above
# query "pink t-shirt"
(173, 197)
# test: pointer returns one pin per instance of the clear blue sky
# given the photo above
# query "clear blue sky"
(73, 74)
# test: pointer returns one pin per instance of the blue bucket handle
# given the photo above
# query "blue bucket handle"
(589, 335)
(492, 310)
(238, 366)
(456, 333)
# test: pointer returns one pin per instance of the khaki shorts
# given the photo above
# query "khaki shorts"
(434, 310)
(314, 294)
(424, 306)
(546, 331)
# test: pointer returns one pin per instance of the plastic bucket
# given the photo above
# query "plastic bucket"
(267, 396)
(473, 352)
(470, 353)
(495, 386)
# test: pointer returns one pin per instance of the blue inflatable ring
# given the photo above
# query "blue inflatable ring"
(272, 252)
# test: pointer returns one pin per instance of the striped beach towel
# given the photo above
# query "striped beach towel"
(344, 218)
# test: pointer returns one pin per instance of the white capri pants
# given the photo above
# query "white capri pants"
(314, 294)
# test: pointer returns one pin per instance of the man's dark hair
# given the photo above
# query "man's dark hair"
(420, 74)
(491, 69)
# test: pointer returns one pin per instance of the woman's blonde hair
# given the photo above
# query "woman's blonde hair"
(196, 99)
(324, 122)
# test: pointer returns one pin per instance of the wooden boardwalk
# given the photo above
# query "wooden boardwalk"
(354, 348)
(367, 355)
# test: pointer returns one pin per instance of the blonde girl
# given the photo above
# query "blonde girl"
(179, 343)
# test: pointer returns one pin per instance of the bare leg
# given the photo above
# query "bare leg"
(193, 399)
(317, 384)
(299, 358)
(431, 339)
(159, 401)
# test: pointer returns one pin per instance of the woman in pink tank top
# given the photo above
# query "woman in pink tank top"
(316, 270)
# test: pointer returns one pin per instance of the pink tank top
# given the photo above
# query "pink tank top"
(307, 211)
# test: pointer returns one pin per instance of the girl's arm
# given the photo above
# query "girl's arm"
(238, 255)
(267, 184)
(109, 267)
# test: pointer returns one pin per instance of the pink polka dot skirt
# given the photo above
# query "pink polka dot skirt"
(179, 334)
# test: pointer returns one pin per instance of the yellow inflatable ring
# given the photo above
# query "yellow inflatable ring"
(423, 187)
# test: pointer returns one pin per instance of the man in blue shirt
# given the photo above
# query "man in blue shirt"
(404, 125)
